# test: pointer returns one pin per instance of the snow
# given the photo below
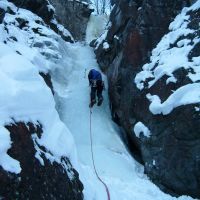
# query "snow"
(103, 36)
(168, 57)
(50, 7)
(171, 80)
(197, 108)
(38, 150)
(123, 175)
(141, 128)
(188, 94)
(154, 162)
(62, 29)
(98, 7)
(116, 37)
(195, 6)
(95, 27)
(101, 39)
(24, 96)
(80, 1)
(4, 5)
(106, 45)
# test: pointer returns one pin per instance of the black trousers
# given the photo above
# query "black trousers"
(96, 91)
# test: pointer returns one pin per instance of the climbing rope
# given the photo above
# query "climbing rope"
(91, 142)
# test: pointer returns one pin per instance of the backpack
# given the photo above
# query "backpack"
(94, 75)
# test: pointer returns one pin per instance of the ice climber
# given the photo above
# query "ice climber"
(97, 85)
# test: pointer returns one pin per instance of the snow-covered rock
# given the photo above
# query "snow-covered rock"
(175, 51)
(37, 151)
(140, 128)
(46, 11)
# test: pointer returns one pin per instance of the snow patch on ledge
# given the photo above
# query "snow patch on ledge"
(188, 94)
(141, 128)
(106, 45)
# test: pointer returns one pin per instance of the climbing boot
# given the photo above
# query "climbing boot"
(92, 103)
(100, 100)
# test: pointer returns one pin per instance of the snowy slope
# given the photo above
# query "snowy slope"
(123, 175)
(24, 96)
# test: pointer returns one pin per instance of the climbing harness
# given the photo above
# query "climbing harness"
(91, 144)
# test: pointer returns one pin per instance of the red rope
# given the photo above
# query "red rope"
(91, 141)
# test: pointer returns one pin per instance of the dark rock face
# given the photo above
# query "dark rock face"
(176, 134)
(42, 8)
(2, 14)
(74, 15)
(137, 27)
(47, 79)
(50, 181)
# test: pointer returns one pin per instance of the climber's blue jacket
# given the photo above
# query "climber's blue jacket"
(94, 75)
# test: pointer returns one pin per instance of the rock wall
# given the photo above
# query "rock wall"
(74, 15)
(171, 154)
(36, 181)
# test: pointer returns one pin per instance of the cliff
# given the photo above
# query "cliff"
(150, 68)
(37, 152)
